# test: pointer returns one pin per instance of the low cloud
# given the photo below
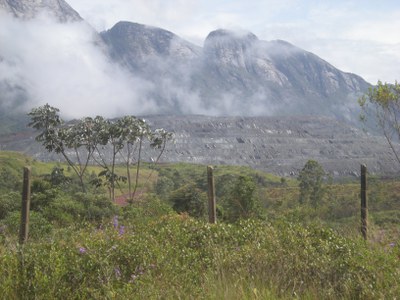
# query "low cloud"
(60, 64)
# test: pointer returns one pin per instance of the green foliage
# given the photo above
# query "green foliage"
(80, 143)
(310, 182)
(164, 187)
(47, 119)
(382, 105)
(148, 208)
(189, 199)
(242, 201)
(175, 257)
(8, 179)
(57, 177)
(9, 202)
(81, 207)
(74, 250)
(39, 226)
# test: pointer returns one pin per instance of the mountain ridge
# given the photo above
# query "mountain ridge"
(291, 101)
(233, 73)
(25, 9)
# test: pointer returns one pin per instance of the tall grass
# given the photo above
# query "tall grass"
(177, 257)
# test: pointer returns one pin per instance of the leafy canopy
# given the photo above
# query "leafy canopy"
(382, 104)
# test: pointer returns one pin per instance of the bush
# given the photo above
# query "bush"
(242, 200)
(39, 226)
(150, 207)
(67, 210)
(310, 182)
(189, 199)
(9, 202)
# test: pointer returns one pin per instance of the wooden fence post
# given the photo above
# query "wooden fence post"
(364, 203)
(212, 211)
(26, 202)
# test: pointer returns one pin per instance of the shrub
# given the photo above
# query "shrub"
(9, 202)
(189, 199)
(310, 181)
(242, 200)
(175, 256)
(39, 226)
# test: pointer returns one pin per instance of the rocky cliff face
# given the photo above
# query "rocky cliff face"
(279, 145)
(236, 73)
(28, 9)
(276, 145)
(139, 46)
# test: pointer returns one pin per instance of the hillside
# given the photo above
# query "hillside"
(92, 248)
(276, 145)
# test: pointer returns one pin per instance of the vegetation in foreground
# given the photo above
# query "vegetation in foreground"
(150, 253)
(273, 240)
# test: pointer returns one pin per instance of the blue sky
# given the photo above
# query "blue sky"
(361, 37)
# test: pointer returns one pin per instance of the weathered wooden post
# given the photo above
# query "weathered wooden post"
(364, 203)
(212, 210)
(26, 202)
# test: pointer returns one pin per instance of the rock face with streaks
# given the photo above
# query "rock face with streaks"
(234, 73)
(279, 145)
(29, 9)
(276, 145)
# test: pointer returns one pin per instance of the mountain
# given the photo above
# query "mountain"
(29, 9)
(140, 46)
(233, 73)
(236, 73)
(291, 102)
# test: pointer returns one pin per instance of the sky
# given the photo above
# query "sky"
(360, 37)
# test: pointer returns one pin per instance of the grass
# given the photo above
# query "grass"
(153, 253)
(175, 257)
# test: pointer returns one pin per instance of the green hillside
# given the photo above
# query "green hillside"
(84, 246)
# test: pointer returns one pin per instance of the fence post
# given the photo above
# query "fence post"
(212, 211)
(26, 202)
(364, 203)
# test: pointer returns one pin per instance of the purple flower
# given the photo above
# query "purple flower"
(82, 250)
(121, 230)
(115, 221)
(392, 244)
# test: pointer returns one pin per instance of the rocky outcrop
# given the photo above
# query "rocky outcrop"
(279, 145)
(235, 73)
(29, 9)
(139, 46)
(276, 145)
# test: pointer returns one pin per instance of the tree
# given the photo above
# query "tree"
(58, 138)
(132, 135)
(82, 135)
(310, 182)
(242, 200)
(94, 139)
(383, 101)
